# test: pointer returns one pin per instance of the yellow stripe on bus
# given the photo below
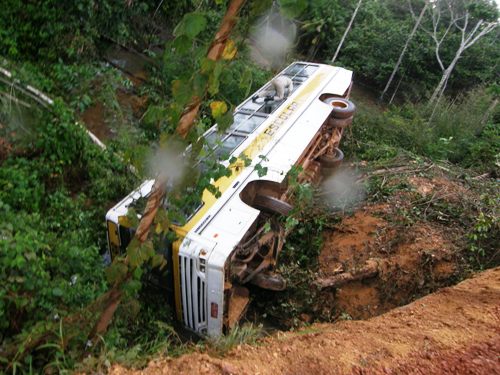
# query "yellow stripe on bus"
(177, 285)
(251, 152)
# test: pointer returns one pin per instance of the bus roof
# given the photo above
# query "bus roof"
(275, 141)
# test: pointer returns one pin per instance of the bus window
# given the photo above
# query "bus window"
(297, 81)
(239, 119)
(301, 70)
(189, 210)
(182, 215)
(251, 106)
(229, 144)
(295, 69)
(223, 144)
(310, 69)
(245, 123)
(213, 139)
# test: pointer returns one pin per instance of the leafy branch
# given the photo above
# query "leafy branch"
(140, 249)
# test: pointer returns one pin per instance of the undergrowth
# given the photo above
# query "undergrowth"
(298, 264)
(247, 333)
(55, 187)
(463, 131)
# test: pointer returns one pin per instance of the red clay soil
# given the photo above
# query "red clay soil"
(412, 260)
(453, 331)
(97, 117)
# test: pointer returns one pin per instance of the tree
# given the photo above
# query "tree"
(346, 31)
(400, 59)
(469, 20)
(155, 199)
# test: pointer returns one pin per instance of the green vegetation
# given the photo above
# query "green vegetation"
(56, 185)
(53, 189)
(244, 334)
(484, 235)
(463, 131)
(299, 266)
(377, 37)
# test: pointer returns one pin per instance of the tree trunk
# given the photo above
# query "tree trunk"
(214, 53)
(468, 38)
(439, 90)
(396, 90)
(346, 31)
(112, 302)
(370, 269)
(489, 111)
(403, 52)
(185, 124)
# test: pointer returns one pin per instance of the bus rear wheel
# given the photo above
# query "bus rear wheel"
(342, 108)
(331, 161)
(271, 205)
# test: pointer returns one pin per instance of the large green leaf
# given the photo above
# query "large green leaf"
(214, 79)
(138, 253)
(191, 25)
(116, 272)
(181, 91)
(182, 44)
(199, 84)
(225, 121)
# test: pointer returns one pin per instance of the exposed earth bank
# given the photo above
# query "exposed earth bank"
(453, 331)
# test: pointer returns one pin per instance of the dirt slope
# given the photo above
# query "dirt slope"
(455, 330)
(410, 260)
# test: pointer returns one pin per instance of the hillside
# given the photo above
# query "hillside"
(394, 196)
(454, 330)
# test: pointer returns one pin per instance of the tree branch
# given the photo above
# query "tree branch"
(489, 28)
(157, 195)
(346, 31)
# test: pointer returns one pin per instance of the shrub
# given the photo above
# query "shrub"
(54, 193)
(457, 131)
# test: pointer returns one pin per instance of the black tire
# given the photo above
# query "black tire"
(342, 108)
(331, 161)
(341, 122)
(269, 281)
(271, 205)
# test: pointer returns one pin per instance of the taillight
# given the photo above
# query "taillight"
(214, 310)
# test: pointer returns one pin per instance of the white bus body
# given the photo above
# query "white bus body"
(209, 294)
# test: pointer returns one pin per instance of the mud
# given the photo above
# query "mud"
(412, 260)
(453, 331)
(94, 118)
(104, 123)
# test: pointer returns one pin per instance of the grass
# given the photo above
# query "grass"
(463, 131)
(245, 334)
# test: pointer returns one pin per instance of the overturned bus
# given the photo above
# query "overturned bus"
(225, 242)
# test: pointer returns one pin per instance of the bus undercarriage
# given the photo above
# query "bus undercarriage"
(254, 258)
